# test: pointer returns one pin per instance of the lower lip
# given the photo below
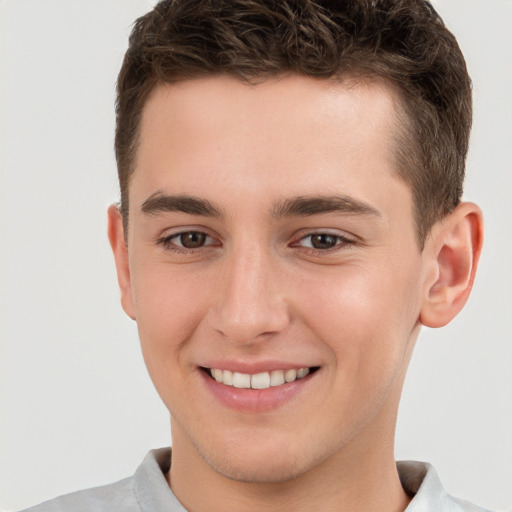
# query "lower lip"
(256, 400)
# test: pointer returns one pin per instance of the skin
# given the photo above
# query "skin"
(255, 290)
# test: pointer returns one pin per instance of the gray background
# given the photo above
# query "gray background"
(77, 408)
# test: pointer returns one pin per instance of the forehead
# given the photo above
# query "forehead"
(281, 136)
(295, 102)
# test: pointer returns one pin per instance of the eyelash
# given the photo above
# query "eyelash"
(341, 242)
(167, 242)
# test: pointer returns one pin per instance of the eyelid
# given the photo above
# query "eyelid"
(344, 240)
(166, 240)
(178, 235)
(304, 233)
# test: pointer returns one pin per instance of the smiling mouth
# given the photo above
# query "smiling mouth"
(263, 380)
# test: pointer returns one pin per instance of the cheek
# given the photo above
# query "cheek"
(169, 306)
(365, 315)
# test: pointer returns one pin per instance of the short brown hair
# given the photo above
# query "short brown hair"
(401, 41)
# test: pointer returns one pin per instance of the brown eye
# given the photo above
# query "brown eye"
(323, 241)
(192, 239)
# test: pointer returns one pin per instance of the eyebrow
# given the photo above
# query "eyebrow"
(159, 202)
(316, 205)
(301, 206)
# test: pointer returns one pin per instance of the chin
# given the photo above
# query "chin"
(260, 465)
(258, 473)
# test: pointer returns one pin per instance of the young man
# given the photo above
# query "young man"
(291, 177)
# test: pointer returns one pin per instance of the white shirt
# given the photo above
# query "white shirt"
(147, 491)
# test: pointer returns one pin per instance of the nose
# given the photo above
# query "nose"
(252, 303)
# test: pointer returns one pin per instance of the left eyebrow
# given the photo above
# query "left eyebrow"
(159, 202)
(316, 205)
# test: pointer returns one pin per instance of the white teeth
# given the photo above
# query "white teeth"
(277, 378)
(261, 380)
(290, 375)
(302, 373)
(241, 380)
(227, 377)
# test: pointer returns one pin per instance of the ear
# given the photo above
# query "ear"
(453, 249)
(120, 250)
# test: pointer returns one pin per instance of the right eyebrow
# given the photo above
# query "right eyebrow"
(159, 202)
(316, 205)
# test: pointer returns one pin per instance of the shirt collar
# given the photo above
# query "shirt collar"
(419, 480)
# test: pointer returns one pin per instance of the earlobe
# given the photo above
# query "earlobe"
(120, 249)
(454, 249)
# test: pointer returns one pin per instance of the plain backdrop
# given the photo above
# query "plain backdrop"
(77, 407)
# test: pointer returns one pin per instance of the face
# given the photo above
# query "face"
(274, 272)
